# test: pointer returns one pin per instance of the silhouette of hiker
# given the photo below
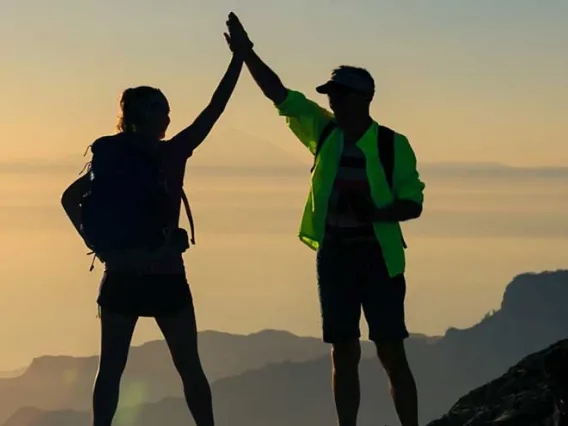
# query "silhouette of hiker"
(127, 210)
(352, 219)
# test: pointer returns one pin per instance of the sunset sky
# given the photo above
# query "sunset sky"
(468, 81)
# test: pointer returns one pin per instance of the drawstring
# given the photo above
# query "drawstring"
(88, 164)
(189, 215)
(87, 167)
(93, 261)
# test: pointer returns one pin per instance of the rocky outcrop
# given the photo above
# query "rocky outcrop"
(532, 393)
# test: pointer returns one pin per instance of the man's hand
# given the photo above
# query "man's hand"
(237, 37)
(239, 42)
(365, 211)
(363, 208)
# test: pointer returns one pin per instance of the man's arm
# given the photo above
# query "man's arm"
(398, 211)
(266, 79)
(305, 118)
(192, 136)
(408, 189)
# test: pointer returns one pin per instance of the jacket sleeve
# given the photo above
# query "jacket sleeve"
(304, 117)
(407, 184)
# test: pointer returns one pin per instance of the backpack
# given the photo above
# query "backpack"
(128, 205)
(385, 145)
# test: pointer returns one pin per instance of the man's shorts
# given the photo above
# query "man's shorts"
(353, 275)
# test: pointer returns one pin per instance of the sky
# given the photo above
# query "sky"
(468, 82)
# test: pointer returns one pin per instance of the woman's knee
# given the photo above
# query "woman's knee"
(116, 335)
(186, 361)
(180, 333)
(111, 366)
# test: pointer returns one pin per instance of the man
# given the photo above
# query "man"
(352, 219)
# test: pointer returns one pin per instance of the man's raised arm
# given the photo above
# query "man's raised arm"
(267, 80)
(304, 117)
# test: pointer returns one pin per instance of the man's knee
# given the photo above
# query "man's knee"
(346, 355)
(393, 357)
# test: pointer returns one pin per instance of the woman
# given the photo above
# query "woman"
(152, 283)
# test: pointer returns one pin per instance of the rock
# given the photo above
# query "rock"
(532, 393)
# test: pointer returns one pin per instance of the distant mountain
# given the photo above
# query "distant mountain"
(12, 373)
(232, 152)
(531, 317)
(58, 382)
(35, 416)
(8, 374)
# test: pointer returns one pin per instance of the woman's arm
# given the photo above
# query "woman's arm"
(191, 137)
(71, 200)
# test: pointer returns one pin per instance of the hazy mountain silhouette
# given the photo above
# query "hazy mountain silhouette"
(150, 374)
(12, 373)
(35, 416)
(531, 317)
(65, 382)
(229, 151)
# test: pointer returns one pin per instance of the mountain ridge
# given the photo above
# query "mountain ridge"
(446, 367)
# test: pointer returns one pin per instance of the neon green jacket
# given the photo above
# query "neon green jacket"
(306, 119)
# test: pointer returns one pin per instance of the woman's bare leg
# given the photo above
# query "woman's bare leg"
(116, 335)
(180, 332)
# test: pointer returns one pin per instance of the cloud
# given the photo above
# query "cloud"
(42, 166)
(72, 166)
(492, 171)
(231, 152)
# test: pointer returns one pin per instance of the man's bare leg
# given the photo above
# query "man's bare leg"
(401, 381)
(346, 389)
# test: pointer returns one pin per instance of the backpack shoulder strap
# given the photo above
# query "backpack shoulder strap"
(385, 141)
(189, 215)
(329, 127)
